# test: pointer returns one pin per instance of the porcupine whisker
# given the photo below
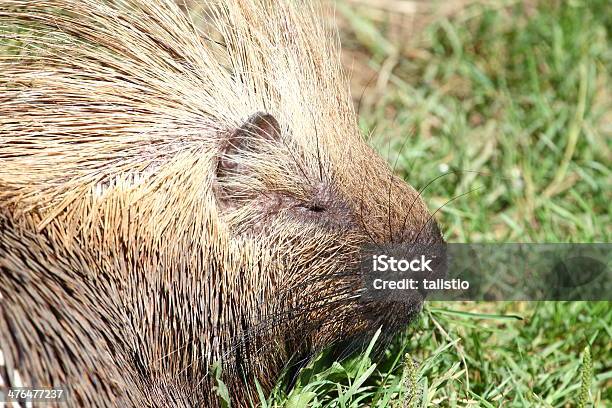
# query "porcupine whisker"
(402, 230)
(386, 340)
(387, 160)
(420, 192)
(357, 344)
(363, 91)
(319, 303)
(349, 349)
(294, 365)
(316, 134)
(431, 217)
(399, 153)
(363, 224)
(295, 160)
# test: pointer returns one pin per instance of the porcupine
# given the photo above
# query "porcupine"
(176, 194)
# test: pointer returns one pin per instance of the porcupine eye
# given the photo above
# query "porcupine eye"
(316, 208)
(312, 207)
(327, 208)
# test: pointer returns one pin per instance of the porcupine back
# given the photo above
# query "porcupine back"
(117, 87)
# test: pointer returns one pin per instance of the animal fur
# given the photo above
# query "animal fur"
(174, 195)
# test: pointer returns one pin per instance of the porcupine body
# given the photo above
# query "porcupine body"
(176, 194)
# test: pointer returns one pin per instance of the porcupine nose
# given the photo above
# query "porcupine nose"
(396, 270)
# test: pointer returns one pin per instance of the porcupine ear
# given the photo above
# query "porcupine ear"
(260, 125)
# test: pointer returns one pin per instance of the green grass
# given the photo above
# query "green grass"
(468, 360)
(516, 99)
(520, 99)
